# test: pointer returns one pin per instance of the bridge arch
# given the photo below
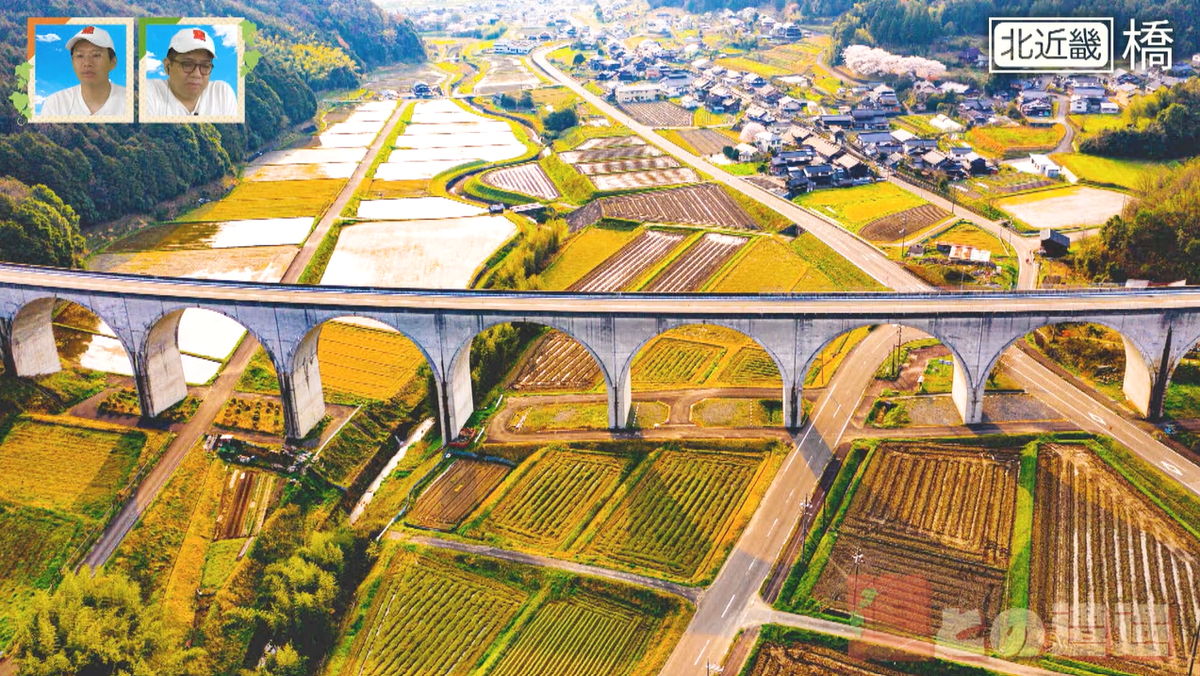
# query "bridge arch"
(456, 391)
(31, 348)
(159, 363)
(1142, 383)
(305, 391)
(783, 363)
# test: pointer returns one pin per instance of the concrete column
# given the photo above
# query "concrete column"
(793, 405)
(457, 400)
(300, 390)
(620, 403)
(1145, 385)
(31, 348)
(968, 398)
(158, 368)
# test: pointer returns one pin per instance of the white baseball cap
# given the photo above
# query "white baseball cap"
(191, 39)
(94, 35)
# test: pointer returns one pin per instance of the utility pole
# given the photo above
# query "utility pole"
(1195, 644)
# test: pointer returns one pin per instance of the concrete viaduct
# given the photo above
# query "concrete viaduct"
(1158, 328)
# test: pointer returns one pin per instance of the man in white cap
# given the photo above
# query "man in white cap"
(187, 91)
(92, 58)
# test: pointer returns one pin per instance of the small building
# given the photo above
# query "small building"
(746, 152)
(1109, 108)
(1054, 243)
(1045, 166)
(637, 93)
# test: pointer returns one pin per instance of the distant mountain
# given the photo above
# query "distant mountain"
(106, 171)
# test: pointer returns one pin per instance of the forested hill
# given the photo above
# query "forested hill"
(914, 22)
(105, 171)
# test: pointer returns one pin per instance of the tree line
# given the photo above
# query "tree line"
(1162, 125)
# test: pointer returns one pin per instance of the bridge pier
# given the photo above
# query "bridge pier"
(301, 393)
(31, 350)
(620, 404)
(456, 399)
(968, 398)
(1145, 385)
(158, 367)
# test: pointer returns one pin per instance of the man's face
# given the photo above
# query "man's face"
(92, 64)
(199, 62)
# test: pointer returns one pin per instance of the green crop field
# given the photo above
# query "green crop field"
(1009, 141)
(768, 266)
(555, 494)
(681, 514)
(751, 366)
(431, 617)
(747, 64)
(857, 206)
(34, 546)
(671, 361)
(724, 412)
(585, 634)
(1129, 174)
(428, 612)
(584, 251)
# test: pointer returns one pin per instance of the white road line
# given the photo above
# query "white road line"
(703, 650)
(727, 607)
(773, 525)
(1171, 468)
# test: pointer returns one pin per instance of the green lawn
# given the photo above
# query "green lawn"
(1122, 173)
(857, 206)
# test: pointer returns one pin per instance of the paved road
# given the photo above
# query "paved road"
(1066, 144)
(860, 253)
(187, 437)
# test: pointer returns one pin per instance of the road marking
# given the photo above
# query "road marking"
(1171, 468)
(703, 650)
(727, 607)
(773, 525)
(1096, 419)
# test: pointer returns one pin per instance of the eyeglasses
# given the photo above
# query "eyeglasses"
(190, 66)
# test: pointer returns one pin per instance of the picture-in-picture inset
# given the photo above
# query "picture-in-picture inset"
(82, 69)
(190, 70)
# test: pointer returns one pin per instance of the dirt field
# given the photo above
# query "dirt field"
(611, 142)
(892, 227)
(704, 204)
(811, 660)
(618, 166)
(605, 153)
(659, 114)
(454, 494)
(690, 270)
(706, 141)
(624, 267)
(1104, 556)
(644, 179)
(529, 179)
(244, 500)
(917, 520)
(1063, 208)
(506, 74)
(557, 362)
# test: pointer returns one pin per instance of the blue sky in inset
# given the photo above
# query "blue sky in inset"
(225, 37)
(52, 62)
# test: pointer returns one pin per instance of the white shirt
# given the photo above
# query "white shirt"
(69, 102)
(217, 99)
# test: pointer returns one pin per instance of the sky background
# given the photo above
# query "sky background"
(52, 69)
(225, 65)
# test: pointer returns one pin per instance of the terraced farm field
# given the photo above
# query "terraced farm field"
(619, 166)
(456, 493)
(611, 142)
(706, 141)
(917, 519)
(528, 179)
(645, 179)
(557, 362)
(681, 514)
(697, 264)
(704, 204)
(366, 361)
(553, 496)
(624, 267)
(893, 227)
(1111, 572)
(659, 114)
(430, 617)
